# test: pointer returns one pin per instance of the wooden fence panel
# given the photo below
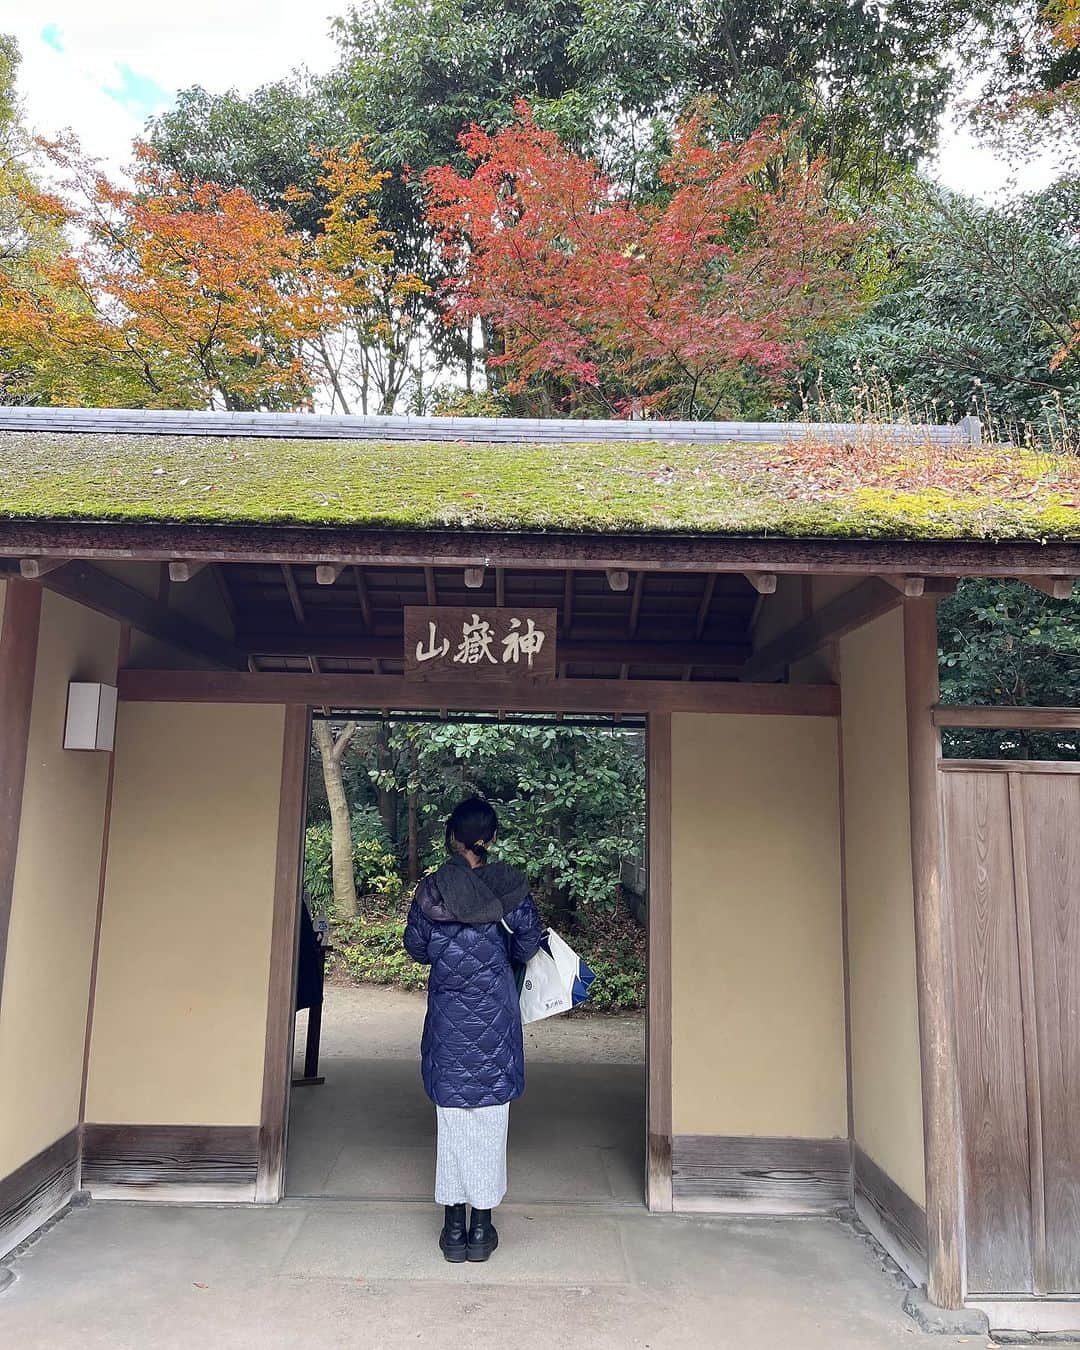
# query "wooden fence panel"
(1051, 815)
(990, 1049)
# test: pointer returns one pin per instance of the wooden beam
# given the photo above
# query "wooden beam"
(363, 647)
(866, 601)
(429, 586)
(89, 586)
(568, 602)
(18, 664)
(937, 1030)
(763, 582)
(180, 570)
(1058, 588)
(707, 593)
(559, 695)
(906, 585)
(33, 569)
(362, 596)
(1010, 766)
(500, 586)
(294, 593)
(327, 573)
(995, 718)
(281, 1001)
(635, 603)
(658, 1142)
(557, 550)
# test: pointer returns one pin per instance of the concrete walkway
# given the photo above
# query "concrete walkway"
(322, 1273)
(368, 1132)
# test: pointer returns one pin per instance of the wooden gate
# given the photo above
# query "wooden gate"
(1012, 871)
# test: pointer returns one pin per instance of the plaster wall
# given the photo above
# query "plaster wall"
(886, 1075)
(54, 902)
(180, 1014)
(758, 1045)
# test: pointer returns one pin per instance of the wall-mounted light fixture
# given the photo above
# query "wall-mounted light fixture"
(91, 716)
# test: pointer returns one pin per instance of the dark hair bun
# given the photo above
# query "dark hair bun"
(472, 823)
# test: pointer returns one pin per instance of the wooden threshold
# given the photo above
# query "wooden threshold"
(559, 695)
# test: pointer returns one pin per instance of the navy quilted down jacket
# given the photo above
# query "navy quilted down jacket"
(471, 1052)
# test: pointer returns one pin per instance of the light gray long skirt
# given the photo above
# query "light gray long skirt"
(470, 1157)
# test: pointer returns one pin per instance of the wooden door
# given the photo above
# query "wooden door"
(1012, 868)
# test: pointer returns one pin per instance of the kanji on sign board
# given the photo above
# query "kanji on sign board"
(479, 643)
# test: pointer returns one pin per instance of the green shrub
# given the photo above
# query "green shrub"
(618, 987)
(375, 868)
(371, 952)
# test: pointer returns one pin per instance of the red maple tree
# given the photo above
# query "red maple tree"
(663, 306)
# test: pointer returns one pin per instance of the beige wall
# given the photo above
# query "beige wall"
(881, 935)
(180, 1013)
(757, 1001)
(54, 905)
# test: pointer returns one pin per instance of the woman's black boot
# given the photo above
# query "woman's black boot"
(483, 1239)
(454, 1236)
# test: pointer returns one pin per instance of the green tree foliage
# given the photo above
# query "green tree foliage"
(1002, 642)
(866, 83)
(863, 84)
(571, 799)
(572, 805)
(974, 305)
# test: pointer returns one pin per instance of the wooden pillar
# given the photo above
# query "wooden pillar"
(658, 1049)
(18, 664)
(937, 1038)
(281, 998)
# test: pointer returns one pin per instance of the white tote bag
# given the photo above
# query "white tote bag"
(555, 980)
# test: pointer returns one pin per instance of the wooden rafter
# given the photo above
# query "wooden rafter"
(363, 597)
(635, 603)
(906, 585)
(294, 593)
(864, 602)
(1058, 588)
(568, 602)
(705, 605)
(182, 570)
(33, 569)
(100, 590)
(429, 586)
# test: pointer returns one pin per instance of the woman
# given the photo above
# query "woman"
(468, 921)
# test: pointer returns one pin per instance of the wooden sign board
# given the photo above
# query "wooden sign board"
(478, 643)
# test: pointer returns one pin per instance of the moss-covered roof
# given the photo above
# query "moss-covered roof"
(802, 491)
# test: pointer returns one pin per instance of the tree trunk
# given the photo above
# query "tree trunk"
(331, 751)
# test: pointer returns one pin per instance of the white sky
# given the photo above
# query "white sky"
(104, 66)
